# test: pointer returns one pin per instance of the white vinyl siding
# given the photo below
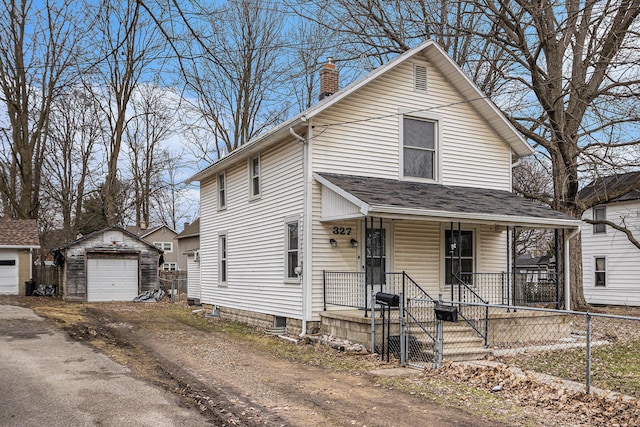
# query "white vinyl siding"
(255, 238)
(366, 144)
(622, 258)
(193, 276)
(417, 251)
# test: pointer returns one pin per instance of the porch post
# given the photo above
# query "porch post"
(567, 275)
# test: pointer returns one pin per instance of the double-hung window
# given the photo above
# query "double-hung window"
(222, 191)
(292, 250)
(600, 279)
(222, 259)
(419, 148)
(255, 177)
(599, 214)
(164, 246)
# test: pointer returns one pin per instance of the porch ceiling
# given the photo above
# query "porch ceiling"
(361, 196)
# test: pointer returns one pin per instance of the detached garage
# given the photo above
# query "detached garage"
(108, 265)
(18, 239)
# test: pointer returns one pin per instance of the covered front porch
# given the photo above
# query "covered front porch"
(429, 242)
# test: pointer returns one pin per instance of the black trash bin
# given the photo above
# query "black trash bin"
(29, 287)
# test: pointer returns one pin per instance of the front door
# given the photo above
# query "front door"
(375, 260)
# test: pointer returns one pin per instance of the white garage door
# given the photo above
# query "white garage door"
(112, 279)
(8, 274)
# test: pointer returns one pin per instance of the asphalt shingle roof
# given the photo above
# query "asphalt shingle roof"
(444, 198)
(190, 230)
(599, 189)
(19, 232)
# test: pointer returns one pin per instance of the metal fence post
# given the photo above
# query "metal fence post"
(403, 345)
(588, 371)
(373, 325)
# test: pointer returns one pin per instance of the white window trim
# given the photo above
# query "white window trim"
(285, 264)
(606, 272)
(476, 249)
(221, 235)
(250, 167)
(222, 206)
(166, 266)
(162, 246)
(593, 213)
(437, 163)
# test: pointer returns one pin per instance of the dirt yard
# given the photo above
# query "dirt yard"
(237, 375)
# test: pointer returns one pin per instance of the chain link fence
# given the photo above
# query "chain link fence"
(175, 287)
(589, 350)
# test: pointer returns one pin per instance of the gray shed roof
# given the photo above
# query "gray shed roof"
(396, 197)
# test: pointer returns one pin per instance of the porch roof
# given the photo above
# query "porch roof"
(357, 196)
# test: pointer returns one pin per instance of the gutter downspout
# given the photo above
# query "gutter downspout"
(306, 230)
(567, 276)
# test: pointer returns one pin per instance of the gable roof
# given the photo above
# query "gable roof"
(95, 233)
(433, 53)
(445, 202)
(191, 230)
(601, 189)
(19, 233)
(144, 232)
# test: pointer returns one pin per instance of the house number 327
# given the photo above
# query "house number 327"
(343, 231)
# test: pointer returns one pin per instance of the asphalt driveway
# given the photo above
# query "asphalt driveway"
(47, 379)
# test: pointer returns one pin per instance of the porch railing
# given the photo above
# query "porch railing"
(476, 315)
(519, 289)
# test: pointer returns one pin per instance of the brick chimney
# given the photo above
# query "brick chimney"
(328, 79)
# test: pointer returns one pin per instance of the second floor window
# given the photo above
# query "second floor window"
(222, 191)
(254, 173)
(418, 148)
(599, 214)
(164, 246)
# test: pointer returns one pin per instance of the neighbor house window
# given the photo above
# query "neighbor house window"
(599, 214)
(254, 174)
(458, 255)
(164, 246)
(418, 148)
(600, 272)
(292, 249)
(222, 259)
(222, 191)
(169, 266)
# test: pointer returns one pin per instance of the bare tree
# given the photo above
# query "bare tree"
(238, 84)
(38, 45)
(128, 45)
(75, 130)
(153, 122)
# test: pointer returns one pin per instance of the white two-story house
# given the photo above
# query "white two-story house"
(611, 263)
(403, 176)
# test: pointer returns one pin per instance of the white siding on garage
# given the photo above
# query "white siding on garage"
(9, 281)
(360, 135)
(193, 277)
(622, 257)
(255, 235)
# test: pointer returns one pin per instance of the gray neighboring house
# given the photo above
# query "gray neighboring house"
(111, 264)
(188, 241)
(162, 237)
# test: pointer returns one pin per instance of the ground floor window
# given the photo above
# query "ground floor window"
(222, 259)
(292, 249)
(600, 272)
(169, 266)
(458, 254)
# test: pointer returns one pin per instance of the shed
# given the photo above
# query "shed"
(107, 265)
(18, 239)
